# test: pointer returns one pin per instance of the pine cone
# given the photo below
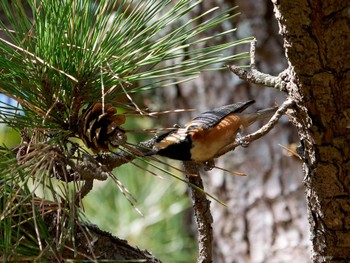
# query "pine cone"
(98, 130)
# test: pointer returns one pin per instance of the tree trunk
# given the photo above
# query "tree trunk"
(317, 40)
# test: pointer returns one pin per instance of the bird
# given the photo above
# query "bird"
(202, 138)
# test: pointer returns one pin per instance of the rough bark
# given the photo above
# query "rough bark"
(93, 244)
(317, 39)
(107, 247)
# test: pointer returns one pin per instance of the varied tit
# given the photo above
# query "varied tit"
(202, 138)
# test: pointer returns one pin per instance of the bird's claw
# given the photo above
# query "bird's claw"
(209, 165)
(243, 141)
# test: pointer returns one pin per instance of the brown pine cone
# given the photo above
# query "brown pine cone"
(100, 131)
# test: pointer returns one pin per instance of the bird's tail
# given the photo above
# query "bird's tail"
(250, 118)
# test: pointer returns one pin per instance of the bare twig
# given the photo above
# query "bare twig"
(256, 77)
(246, 140)
(252, 75)
(252, 54)
(201, 208)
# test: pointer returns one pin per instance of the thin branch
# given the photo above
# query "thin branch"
(252, 75)
(252, 54)
(202, 214)
(246, 140)
(256, 77)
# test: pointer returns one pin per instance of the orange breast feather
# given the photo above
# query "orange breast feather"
(207, 143)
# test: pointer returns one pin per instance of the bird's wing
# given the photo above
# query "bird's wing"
(209, 119)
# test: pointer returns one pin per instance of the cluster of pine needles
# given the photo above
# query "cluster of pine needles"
(74, 70)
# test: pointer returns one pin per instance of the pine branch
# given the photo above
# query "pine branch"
(69, 55)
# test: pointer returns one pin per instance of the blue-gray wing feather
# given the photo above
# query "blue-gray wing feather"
(210, 118)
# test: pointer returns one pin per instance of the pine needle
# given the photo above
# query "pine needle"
(230, 171)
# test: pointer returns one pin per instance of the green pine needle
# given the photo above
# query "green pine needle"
(57, 56)
(61, 58)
